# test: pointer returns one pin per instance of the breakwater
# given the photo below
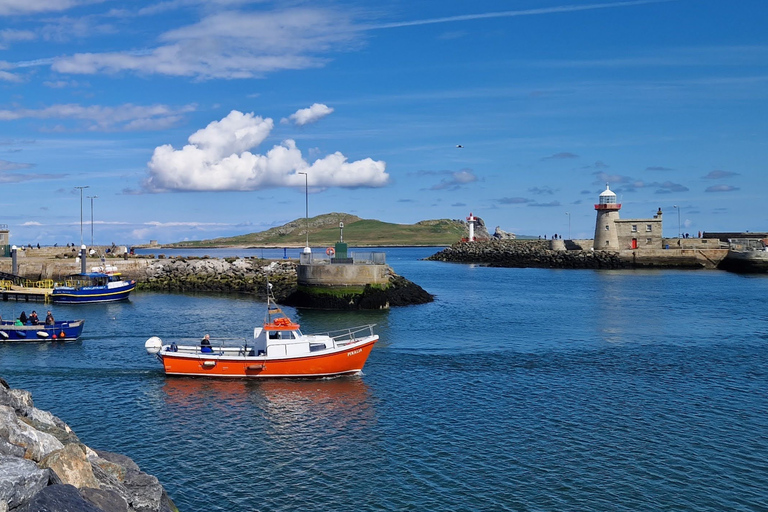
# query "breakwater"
(556, 254)
(526, 253)
(44, 466)
(235, 275)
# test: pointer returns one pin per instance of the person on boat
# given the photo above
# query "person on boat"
(205, 344)
(33, 319)
(49, 319)
(23, 318)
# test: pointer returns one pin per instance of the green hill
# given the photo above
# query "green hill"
(324, 230)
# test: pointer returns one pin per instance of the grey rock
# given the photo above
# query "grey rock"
(145, 491)
(20, 479)
(59, 498)
(105, 499)
(117, 458)
(36, 444)
(11, 450)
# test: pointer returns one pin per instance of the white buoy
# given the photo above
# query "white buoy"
(42, 335)
(153, 345)
(3, 335)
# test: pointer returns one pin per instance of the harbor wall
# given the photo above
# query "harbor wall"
(540, 254)
(344, 274)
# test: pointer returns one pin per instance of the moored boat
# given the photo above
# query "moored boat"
(746, 256)
(91, 287)
(278, 350)
(66, 330)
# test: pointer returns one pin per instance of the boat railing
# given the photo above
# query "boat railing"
(219, 346)
(349, 335)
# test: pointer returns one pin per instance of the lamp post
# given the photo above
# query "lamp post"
(92, 198)
(306, 210)
(81, 212)
(679, 230)
(569, 224)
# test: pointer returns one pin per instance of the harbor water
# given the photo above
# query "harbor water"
(516, 389)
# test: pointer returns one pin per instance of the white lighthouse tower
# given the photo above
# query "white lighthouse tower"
(471, 220)
(606, 237)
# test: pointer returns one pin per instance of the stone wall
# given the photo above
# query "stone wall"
(44, 466)
(539, 253)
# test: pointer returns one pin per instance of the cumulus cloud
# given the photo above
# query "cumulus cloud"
(721, 188)
(231, 45)
(540, 191)
(218, 157)
(716, 175)
(546, 205)
(309, 115)
(658, 168)
(629, 184)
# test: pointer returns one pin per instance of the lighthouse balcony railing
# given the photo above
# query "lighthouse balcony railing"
(357, 258)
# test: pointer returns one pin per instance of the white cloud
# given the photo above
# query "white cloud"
(230, 45)
(218, 157)
(309, 115)
(126, 117)
(34, 6)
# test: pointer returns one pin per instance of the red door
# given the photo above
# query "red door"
(634, 243)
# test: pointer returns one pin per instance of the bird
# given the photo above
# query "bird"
(459, 146)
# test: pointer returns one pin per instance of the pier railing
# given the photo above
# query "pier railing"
(358, 258)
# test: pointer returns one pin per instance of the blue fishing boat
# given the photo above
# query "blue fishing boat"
(91, 287)
(66, 330)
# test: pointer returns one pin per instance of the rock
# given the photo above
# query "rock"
(58, 498)
(105, 499)
(72, 466)
(500, 234)
(120, 460)
(145, 491)
(20, 479)
(35, 443)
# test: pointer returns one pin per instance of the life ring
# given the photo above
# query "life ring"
(330, 251)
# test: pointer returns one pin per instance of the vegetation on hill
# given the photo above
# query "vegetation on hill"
(324, 230)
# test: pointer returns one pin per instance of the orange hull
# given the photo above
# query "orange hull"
(349, 360)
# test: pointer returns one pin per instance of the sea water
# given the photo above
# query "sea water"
(516, 389)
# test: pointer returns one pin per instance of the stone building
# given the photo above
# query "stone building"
(613, 233)
(5, 245)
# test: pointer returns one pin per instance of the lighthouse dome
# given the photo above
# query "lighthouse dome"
(607, 196)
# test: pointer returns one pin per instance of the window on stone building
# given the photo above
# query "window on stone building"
(634, 228)
(648, 241)
(648, 228)
(607, 227)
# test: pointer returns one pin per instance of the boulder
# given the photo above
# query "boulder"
(105, 499)
(20, 479)
(35, 443)
(58, 498)
(71, 466)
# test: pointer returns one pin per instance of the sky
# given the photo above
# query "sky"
(195, 119)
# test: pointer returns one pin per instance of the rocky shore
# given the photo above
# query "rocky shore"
(527, 253)
(45, 467)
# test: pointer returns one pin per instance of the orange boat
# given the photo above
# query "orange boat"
(278, 349)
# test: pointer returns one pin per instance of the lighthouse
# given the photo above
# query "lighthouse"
(471, 221)
(606, 237)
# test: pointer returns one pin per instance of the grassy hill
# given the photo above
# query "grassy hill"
(324, 230)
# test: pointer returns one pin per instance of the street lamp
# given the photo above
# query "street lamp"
(679, 230)
(569, 224)
(92, 198)
(306, 211)
(81, 212)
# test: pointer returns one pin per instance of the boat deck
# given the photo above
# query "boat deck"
(25, 294)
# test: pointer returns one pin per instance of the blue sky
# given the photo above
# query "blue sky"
(192, 119)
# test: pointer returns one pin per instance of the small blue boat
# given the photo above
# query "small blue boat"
(92, 287)
(66, 330)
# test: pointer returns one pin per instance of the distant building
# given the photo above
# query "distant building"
(614, 234)
(5, 244)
